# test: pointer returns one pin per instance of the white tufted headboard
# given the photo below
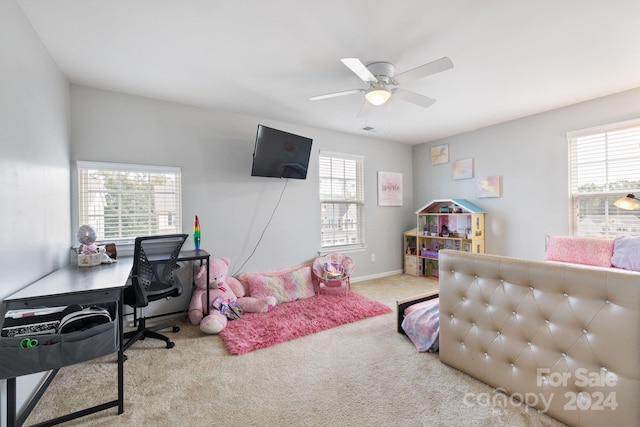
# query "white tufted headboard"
(563, 338)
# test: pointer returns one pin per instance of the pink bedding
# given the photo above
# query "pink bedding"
(422, 325)
(420, 305)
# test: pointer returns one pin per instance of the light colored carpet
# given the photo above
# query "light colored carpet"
(358, 374)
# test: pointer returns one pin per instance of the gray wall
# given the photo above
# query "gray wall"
(34, 163)
(531, 155)
(214, 150)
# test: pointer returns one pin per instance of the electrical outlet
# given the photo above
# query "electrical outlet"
(373, 257)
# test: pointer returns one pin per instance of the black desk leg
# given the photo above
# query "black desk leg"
(121, 354)
(207, 308)
(11, 402)
(207, 287)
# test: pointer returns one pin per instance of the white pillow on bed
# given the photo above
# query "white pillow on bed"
(626, 253)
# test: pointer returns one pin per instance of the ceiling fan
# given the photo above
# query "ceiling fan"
(381, 78)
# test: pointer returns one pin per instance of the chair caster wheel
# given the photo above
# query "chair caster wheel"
(176, 328)
(171, 344)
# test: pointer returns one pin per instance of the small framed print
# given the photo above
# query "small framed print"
(463, 169)
(440, 154)
(490, 186)
(389, 188)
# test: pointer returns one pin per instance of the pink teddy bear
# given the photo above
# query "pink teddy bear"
(222, 288)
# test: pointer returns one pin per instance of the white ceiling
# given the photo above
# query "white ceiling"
(512, 58)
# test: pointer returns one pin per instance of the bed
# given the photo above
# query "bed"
(564, 338)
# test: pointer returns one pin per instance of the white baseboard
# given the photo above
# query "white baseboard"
(375, 276)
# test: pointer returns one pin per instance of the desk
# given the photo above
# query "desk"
(99, 285)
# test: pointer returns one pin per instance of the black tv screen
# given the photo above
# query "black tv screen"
(280, 154)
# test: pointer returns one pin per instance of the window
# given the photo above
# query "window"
(122, 201)
(604, 165)
(341, 200)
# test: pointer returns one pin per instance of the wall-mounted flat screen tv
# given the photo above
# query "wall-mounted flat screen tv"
(280, 154)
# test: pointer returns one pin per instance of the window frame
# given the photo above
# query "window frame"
(173, 202)
(607, 148)
(355, 201)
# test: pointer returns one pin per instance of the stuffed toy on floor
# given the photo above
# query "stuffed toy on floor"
(226, 298)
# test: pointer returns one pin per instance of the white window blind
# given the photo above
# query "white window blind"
(122, 201)
(341, 200)
(604, 165)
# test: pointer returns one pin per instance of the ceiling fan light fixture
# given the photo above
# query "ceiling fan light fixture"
(378, 95)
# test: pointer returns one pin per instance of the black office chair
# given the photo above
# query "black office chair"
(152, 278)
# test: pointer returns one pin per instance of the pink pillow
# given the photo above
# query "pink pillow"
(580, 250)
(288, 285)
(422, 304)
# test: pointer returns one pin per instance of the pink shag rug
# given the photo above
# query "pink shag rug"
(296, 319)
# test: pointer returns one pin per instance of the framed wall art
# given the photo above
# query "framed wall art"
(490, 186)
(463, 169)
(440, 154)
(389, 188)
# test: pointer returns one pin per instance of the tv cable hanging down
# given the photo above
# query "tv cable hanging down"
(278, 154)
(263, 230)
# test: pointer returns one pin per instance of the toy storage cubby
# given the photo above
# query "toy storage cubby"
(410, 252)
(442, 224)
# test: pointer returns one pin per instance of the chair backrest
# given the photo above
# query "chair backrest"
(333, 263)
(154, 264)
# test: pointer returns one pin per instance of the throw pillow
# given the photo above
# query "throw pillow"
(285, 287)
(580, 250)
(626, 253)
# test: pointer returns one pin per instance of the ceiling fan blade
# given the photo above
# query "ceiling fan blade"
(425, 70)
(335, 94)
(414, 98)
(359, 69)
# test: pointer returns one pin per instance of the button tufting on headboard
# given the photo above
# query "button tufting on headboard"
(546, 328)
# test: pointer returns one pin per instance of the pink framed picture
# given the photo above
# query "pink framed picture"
(490, 186)
(389, 188)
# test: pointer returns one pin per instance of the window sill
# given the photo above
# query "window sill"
(342, 250)
(124, 248)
